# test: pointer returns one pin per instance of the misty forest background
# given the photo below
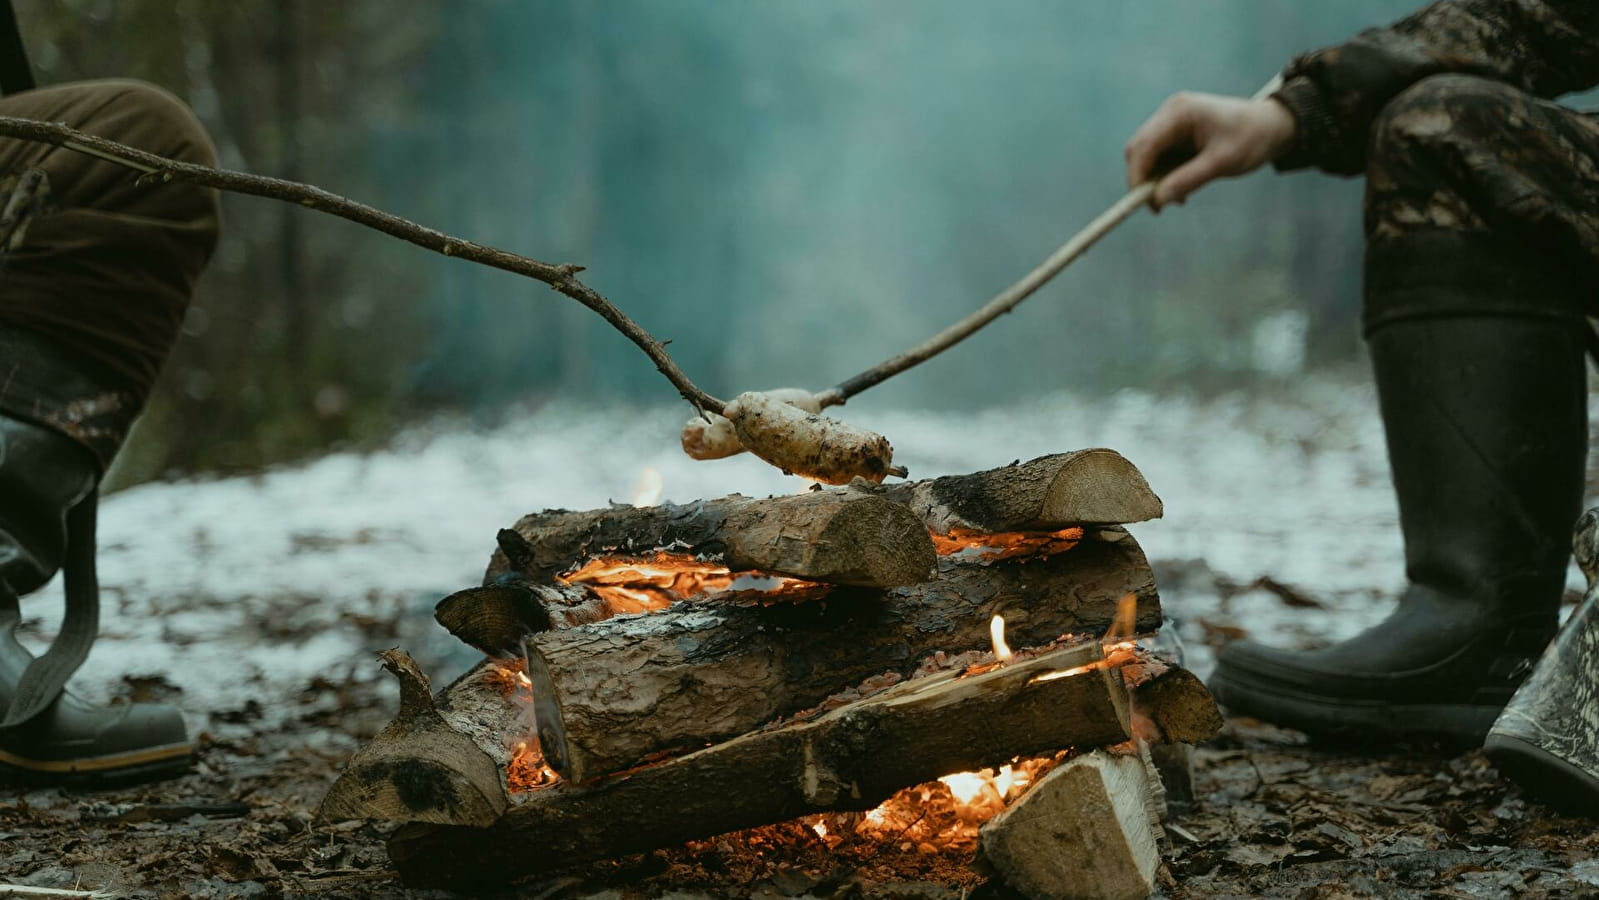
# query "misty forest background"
(788, 191)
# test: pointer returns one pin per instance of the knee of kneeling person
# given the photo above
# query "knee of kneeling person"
(154, 119)
(1438, 111)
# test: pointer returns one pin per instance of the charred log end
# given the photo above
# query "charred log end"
(418, 769)
(416, 788)
(1180, 705)
(1099, 487)
(494, 619)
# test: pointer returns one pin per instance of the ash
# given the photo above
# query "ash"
(258, 604)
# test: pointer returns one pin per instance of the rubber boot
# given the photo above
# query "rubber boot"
(1479, 366)
(42, 475)
(1547, 739)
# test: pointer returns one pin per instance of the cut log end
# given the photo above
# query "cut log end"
(1086, 831)
(1084, 487)
(419, 768)
(1180, 706)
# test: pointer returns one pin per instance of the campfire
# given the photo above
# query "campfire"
(911, 666)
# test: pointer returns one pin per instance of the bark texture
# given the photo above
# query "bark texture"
(612, 694)
(1084, 487)
(835, 536)
(441, 760)
(421, 768)
(849, 759)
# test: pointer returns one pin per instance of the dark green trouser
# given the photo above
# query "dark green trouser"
(90, 304)
(104, 277)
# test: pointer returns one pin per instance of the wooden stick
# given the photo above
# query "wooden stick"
(560, 276)
(1001, 304)
(1008, 299)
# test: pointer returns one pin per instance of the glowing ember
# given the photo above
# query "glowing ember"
(527, 770)
(1115, 656)
(944, 815)
(633, 585)
(649, 488)
(964, 543)
(996, 633)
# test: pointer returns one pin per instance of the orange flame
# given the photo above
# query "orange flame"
(945, 814)
(964, 543)
(636, 585)
(527, 770)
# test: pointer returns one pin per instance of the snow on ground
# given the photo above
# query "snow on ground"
(248, 589)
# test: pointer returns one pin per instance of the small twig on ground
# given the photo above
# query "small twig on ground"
(24, 892)
(560, 276)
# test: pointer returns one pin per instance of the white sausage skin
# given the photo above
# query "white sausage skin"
(717, 439)
(809, 444)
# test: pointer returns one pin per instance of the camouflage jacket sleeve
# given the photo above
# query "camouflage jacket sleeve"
(1544, 47)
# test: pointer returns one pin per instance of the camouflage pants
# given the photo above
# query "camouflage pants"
(1486, 191)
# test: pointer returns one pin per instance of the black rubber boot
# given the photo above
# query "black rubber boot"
(42, 476)
(1479, 367)
(1547, 739)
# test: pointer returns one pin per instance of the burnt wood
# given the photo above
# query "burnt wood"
(849, 759)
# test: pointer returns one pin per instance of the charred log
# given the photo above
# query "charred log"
(849, 759)
(612, 694)
(834, 536)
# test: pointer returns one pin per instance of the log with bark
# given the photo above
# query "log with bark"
(849, 759)
(441, 760)
(1084, 487)
(614, 693)
(843, 536)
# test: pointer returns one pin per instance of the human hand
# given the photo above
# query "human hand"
(1217, 137)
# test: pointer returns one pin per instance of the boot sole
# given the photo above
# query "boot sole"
(1545, 777)
(133, 767)
(1359, 723)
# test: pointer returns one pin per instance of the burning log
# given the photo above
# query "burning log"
(834, 536)
(436, 762)
(1084, 487)
(849, 759)
(611, 694)
(1090, 830)
(483, 714)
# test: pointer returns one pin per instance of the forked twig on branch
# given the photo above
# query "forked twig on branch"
(560, 276)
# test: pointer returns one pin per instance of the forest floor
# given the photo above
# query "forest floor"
(257, 604)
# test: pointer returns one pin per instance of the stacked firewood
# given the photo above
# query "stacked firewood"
(701, 668)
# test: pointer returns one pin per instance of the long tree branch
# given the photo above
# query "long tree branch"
(560, 276)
